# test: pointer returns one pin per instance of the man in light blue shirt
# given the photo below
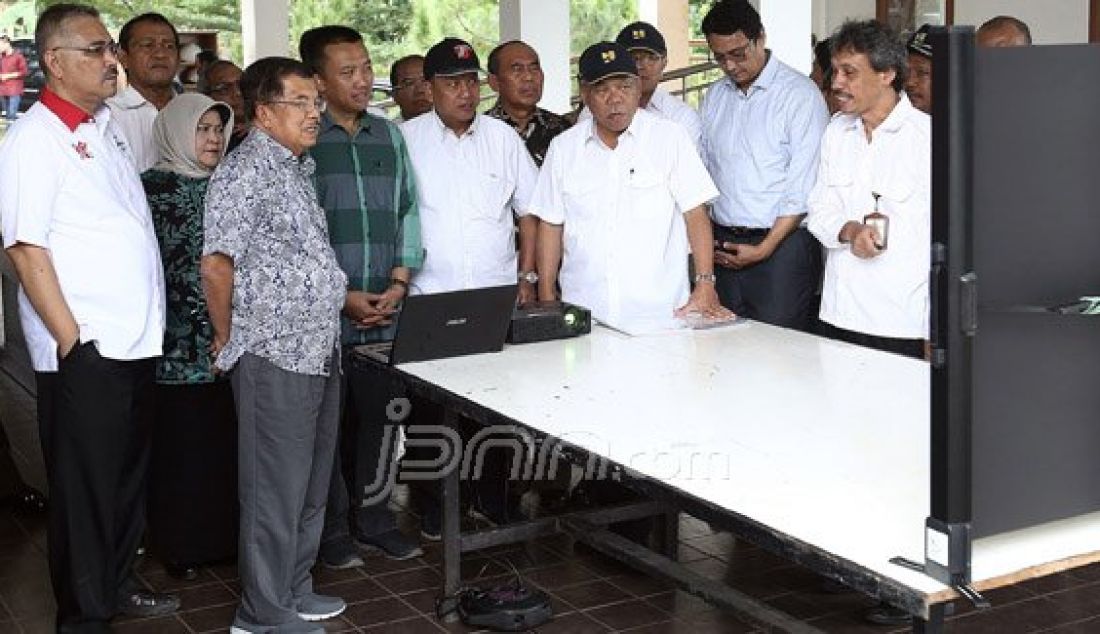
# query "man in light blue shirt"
(762, 125)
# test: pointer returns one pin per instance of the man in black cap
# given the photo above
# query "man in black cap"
(473, 176)
(626, 191)
(647, 47)
(918, 85)
(515, 74)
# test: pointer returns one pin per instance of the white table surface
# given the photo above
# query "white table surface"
(823, 441)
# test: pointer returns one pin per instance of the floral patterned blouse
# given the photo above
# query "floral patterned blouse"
(177, 203)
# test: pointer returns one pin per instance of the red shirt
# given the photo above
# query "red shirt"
(13, 62)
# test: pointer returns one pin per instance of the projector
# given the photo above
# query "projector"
(546, 321)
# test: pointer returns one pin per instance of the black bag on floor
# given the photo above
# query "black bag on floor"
(512, 607)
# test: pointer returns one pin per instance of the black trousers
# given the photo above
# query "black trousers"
(193, 474)
(779, 290)
(365, 453)
(95, 419)
(907, 347)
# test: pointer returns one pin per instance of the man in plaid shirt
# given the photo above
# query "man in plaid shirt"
(366, 186)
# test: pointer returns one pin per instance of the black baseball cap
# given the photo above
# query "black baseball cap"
(603, 60)
(918, 41)
(642, 35)
(451, 56)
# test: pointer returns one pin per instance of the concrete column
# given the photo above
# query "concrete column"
(265, 29)
(672, 19)
(789, 25)
(544, 24)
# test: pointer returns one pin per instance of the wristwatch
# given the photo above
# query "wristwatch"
(530, 277)
(709, 278)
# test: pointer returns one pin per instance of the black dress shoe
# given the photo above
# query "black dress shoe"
(29, 500)
(145, 604)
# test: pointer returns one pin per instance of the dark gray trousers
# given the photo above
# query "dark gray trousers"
(287, 426)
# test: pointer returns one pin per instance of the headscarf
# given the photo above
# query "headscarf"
(174, 133)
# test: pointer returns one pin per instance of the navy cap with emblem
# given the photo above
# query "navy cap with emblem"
(642, 35)
(451, 56)
(918, 41)
(603, 60)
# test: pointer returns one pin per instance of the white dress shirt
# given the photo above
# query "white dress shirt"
(887, 295)
(665, 105)
(75, 193)
(135, 116)
(625, 245)
(468, 189)
(761, 145)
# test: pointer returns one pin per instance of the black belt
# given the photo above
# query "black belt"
(746, 232)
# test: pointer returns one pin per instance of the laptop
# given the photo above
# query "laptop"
(443, 325)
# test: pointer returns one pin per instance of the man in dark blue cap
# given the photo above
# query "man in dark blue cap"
(647, 47)
(918, 84)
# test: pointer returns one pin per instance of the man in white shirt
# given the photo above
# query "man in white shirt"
(150, 55)
(762, 124)
(472, 174)
(647, 47)
(411, 92)
(78, 231)
(875, 156)
(621, 198)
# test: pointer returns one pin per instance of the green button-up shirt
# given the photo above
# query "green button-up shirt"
(368, 191)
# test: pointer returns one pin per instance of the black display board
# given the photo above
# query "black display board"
(1036, 245)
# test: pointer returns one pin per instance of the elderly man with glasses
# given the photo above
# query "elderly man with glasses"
(274, 290)
(221, 81)
(78, 231)
(411, 92)
(762, 125)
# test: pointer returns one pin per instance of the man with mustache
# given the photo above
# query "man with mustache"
(515, 74)
(875, 156)
(366, 186)
(274, 290)
(622, 197)
(475, 178)
(77, 228)
(918, 86)
(762, 124)
(411, 92)
(150, 55)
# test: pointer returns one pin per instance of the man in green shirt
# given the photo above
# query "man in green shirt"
(365, 183)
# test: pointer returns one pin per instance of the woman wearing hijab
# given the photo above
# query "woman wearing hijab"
(192, 504)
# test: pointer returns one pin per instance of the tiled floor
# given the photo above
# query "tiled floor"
(589, 592)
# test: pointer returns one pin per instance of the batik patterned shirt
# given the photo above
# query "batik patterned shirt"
(177, 203)
(288, 289)
(539, 131)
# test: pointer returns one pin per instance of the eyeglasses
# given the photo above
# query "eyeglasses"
(95, 49)
(646, 57)
(739, 54)
(412, 82)
(305, 105)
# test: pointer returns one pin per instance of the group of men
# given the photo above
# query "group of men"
(326, 216)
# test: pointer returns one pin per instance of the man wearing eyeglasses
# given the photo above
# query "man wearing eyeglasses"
(78, 231)
(647, 47)
(275, 290)
(515, 74)
(150, 55)
(762, 125)
(411, 92)
(221, 81)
